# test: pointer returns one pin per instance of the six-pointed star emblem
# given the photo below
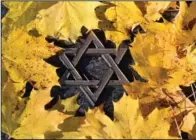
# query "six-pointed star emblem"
(85, 84)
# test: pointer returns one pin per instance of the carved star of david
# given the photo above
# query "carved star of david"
(99, 84)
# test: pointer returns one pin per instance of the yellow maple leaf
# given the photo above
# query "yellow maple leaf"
(70, 128)
(70, 104)
(185, 75)
(155, 8)
(65, 19)
(23, 59)
(20, 14)
(152, 10)
(151, 97)
(148, 52)
(35, 121)
(186, 17)
(123, 15)
(189, 123)
(12, 106)
(67, 106)
(27, 118)
(163, 55)
(128, 122)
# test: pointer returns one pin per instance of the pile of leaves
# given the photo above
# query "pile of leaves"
(162, 40)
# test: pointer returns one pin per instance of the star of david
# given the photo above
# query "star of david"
(85, 84)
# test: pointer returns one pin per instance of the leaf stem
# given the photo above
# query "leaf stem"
(193, 92)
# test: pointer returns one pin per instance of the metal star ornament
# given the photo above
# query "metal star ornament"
(93, 68)
(85, 84)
